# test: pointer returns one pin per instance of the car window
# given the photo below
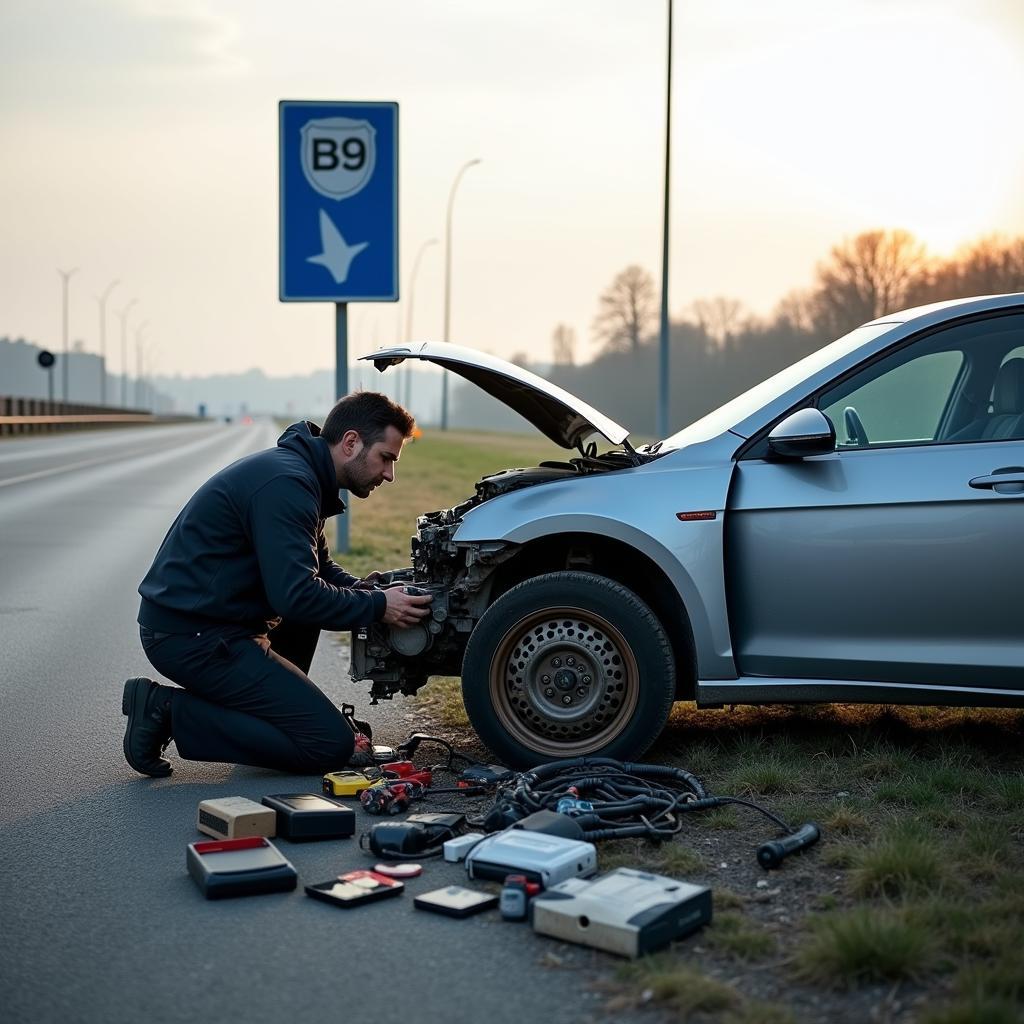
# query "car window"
(902, 404)
(950, 386)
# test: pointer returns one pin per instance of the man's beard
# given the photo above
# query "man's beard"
(357, 480)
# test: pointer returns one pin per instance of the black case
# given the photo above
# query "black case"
(303, 816)
(239, 867)
(354, 888)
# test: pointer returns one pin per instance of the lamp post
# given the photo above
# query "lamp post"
(123, 314)
(65, 276)
(139, 331)
(408, 314)
(663, 397)
(448, 282)
(102, 300)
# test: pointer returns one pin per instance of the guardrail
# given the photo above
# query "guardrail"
(40, 416)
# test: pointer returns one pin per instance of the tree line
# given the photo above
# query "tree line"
(719, 349)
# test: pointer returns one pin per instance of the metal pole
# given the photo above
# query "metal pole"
(341, 523)
(663, 346)
(138, 362)
(102, 300)
(123, 314)
(448, 283)
(408, 315)
(65, 275)
(49, 387)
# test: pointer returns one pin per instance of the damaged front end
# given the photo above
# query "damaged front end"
(460, 578)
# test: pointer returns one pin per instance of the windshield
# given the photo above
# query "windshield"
(742, 406)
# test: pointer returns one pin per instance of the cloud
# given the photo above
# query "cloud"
(79, 40)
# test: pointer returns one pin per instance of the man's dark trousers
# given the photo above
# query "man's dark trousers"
(247, 698)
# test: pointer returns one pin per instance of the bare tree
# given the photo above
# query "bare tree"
(563, 346)
(628, 310)
(520, 358)
(866, 277)
(795, 311)
(719, 318)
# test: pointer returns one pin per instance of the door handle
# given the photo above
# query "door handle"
(1007, 480)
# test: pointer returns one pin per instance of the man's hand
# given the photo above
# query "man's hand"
(373, 581)
(405, 609)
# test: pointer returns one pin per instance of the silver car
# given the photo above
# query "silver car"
(849, 530)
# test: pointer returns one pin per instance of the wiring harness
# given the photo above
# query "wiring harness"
(610, 799)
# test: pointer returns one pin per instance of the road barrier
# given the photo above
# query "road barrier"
(40, 416)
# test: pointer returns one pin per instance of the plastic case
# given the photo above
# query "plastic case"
(542, 858)
(239, 867)
(305, 816)
(627, 912)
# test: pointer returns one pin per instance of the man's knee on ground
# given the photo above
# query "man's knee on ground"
(331, 750)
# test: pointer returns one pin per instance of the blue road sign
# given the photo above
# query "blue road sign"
(339, 201)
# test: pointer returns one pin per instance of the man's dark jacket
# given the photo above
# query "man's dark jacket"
(249, 548)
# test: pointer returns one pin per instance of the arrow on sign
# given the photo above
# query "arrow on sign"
(337, 255)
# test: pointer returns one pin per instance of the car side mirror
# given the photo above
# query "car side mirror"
(804, 432)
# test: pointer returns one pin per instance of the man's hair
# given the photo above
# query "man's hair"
(369, 414)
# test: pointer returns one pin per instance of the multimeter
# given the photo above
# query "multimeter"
(349, 783)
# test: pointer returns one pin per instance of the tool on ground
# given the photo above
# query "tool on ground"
(304, 816)
(772, 853)
(235, 817)
(419, 836)
(349, 783)
(541, 858)
(455, 901)
(382, 754)
(239, 867)
(399, 870)
(391, 798)
(457, 848)
(626, 911)
(354, 888)
(611, 799)
(516, 893)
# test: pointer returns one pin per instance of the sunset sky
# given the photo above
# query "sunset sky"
(140, 143)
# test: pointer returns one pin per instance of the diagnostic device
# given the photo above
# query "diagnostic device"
(235, 817)
(239, 867)
(540, 857)
(627, 912)
(302, 816)
(456, 901)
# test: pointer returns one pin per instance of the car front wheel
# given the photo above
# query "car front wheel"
(568, 664)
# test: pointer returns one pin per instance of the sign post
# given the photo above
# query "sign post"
(338, 214)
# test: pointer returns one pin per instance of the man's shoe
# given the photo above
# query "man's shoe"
(148, 707)
(362, 752)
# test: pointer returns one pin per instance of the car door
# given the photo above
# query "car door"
(897, 558)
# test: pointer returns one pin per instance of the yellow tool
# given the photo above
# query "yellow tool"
(350, 783)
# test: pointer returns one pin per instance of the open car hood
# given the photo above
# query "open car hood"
(562, 417)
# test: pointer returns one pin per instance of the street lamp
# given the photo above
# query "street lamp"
(139, 331)
(408, 314)
(663, 334)
(123, 314)
(65, 275)
(102, 300)
(448, 282)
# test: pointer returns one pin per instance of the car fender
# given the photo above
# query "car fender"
(689, 552)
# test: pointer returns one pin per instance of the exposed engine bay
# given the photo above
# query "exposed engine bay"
(460, 576)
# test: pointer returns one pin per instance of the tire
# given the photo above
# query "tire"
(532, 649)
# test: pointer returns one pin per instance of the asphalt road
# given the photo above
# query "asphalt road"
(99, 920)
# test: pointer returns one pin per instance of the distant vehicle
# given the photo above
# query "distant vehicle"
(751, 558)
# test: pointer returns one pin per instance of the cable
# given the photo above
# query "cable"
(610, 799)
